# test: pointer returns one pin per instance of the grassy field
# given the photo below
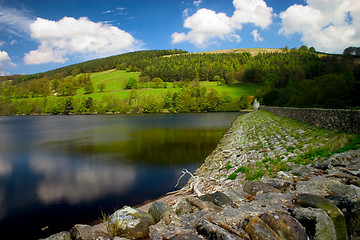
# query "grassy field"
(115, 82)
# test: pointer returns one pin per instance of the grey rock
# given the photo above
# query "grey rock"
(183, 207)
(284, 225)
(258, 230)
(184, 224)
(131, 223)
(321, 185)
(59, 236)
(318, 224)
(160, 210)
(187, 236)
(351, 210)
(323, 166)
(300, 170)
(84, 232)
(315, 201)
(258, 187)
(212, 231)
(236, 196)
(218, 198)
(280, 184)
(203, 204)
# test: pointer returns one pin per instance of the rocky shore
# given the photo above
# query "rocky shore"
(269, 178)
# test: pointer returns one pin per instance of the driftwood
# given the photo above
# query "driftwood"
(193, 185)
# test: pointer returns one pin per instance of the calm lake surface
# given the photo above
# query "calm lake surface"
(56, 171)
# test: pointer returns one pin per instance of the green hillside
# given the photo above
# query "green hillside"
(177, 81)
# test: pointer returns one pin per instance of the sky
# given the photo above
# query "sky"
(40, 35)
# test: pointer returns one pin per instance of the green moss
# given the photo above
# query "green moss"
(241, 169)
(232, 176)
(228, 166)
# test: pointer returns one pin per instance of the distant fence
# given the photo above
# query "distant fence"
(339, 119)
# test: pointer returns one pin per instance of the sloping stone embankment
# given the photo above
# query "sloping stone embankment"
(288, 200)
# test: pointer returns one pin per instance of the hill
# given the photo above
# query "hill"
(177, 81)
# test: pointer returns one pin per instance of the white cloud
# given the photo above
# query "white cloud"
(14, 21)
(256, 35)
(185, 13)
(252, 11)
(206, 25)
(327, 25)
(5, 62)
(197, 3)
(68, 36)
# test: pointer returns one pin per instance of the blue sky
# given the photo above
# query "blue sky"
(40, 35)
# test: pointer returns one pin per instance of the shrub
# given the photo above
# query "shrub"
(334, 103)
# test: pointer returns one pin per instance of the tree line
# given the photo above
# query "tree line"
(295, 77)
(190, 98)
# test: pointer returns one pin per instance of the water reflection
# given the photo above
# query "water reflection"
(76, 182)
(60, 170)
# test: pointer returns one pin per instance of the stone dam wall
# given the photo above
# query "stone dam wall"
(339, 119)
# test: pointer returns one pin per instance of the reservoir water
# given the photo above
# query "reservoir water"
(56, 171)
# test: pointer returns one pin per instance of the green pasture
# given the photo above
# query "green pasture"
(115, 82)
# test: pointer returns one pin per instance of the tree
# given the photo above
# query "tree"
(244, 101)
(101, 86)
(312, 49)
(303, 48)
(89, 87)
(158, 82)
(132, 83)
(352, 51)
(68, 106)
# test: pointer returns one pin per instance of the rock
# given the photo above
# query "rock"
(212, 231)
(218, 198)
(351, 210)
(344, 159)
(285, 226)
(130, 223)
(160, 210)
(59, 236)
(236, 196)
(324, 186)
(183, 207)
(311, 200)
(280, 184)
(258, 230)
(203, 204)
(183, 225)
(84, 232)
(187, 236)
(323, 166)
(317, 223)
(300, 170)
(258, 188)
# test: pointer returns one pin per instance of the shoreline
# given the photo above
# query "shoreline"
(258, 147)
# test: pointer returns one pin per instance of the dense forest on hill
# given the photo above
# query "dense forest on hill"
(296, 77)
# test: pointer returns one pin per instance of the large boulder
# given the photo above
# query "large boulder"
(315, 201)
(284, 225)
(218, 198)
(317, 223)
(130, 223)
(161, 211)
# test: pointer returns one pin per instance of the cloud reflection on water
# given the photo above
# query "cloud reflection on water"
(80, 181)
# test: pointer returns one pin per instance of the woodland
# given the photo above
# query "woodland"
(178, 81)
